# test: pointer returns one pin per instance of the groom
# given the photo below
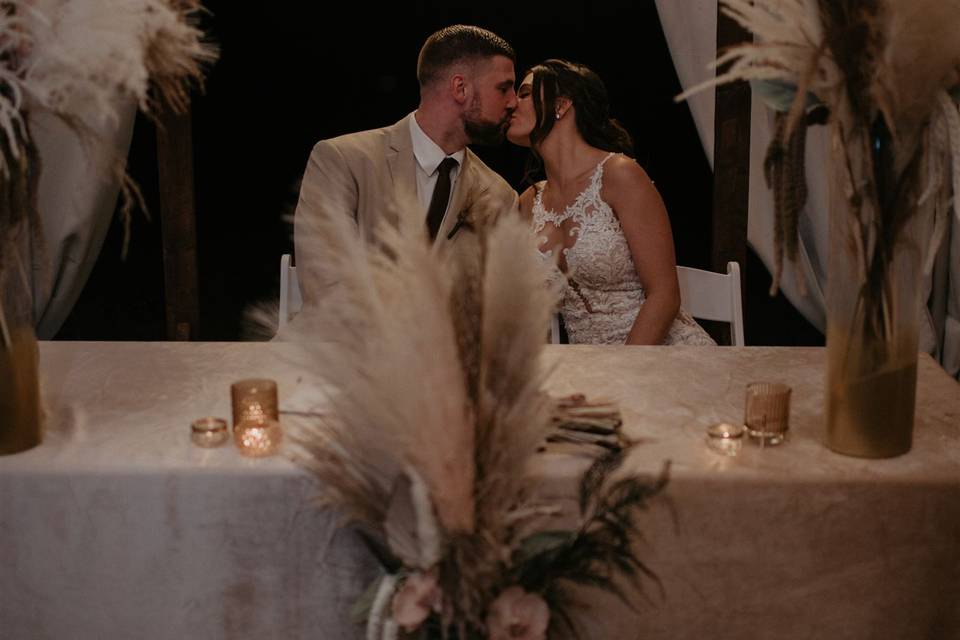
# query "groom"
(418, 173)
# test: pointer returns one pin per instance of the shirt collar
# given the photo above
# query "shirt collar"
(428, 154)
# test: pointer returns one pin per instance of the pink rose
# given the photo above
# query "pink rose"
(517, 615)
(417, 597)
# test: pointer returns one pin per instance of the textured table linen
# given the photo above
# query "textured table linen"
(117, 526)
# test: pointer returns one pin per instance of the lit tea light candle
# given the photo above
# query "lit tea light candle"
(208, 432)
(726, 438)
(258, 438)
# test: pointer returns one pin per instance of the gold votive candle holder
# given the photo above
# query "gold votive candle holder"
(254, 399)
(209, 432)
(258, 438)
(767, 412)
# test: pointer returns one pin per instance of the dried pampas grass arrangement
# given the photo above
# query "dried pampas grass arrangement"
(886, 71)
(85, 55)
(430, 358)
(67, 57)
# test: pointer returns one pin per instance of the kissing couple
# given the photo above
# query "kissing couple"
(599, 220)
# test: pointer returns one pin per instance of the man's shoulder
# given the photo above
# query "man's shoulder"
(369, 141)
(487, 176)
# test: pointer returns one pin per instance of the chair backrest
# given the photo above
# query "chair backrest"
(290, 300)
(714, 296)
(555, 328)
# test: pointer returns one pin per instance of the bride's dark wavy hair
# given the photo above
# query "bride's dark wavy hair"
(553, 79)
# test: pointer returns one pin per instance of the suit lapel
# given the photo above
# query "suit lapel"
(465, 193)
(403, 172)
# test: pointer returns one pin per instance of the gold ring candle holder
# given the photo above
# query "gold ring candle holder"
(258, 438)
(726, 438)
(254, 399)
(209, 432)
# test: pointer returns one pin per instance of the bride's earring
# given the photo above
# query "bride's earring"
(558, 115)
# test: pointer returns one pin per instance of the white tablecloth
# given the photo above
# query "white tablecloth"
(118, 527)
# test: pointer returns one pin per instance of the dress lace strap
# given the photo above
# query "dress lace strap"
(596, 181)
(604, 161)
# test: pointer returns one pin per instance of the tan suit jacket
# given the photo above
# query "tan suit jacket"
(371, 176)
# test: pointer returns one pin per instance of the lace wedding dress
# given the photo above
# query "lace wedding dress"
(601, 292)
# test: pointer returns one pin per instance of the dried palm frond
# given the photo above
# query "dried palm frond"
(788, 43)
(602, 552)
(784, 171)
(410, 524)
(943, 175)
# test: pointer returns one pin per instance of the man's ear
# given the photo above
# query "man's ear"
(459, 88)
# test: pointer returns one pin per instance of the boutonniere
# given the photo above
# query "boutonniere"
(464, 220)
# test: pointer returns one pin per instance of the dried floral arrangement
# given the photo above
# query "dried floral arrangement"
(885, 74)
(67, 57)
(435, 410)
(63, 56)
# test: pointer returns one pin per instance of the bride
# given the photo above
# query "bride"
(597, 214)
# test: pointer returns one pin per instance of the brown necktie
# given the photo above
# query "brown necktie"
(440, 197)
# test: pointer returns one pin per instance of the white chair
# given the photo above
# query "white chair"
(290, 300)
(714, 296)
(704, 294)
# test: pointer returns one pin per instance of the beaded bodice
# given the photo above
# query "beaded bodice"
(602, 292)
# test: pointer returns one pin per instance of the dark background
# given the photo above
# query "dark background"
(295, 74)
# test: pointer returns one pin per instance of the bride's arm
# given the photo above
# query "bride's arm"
(644, 220)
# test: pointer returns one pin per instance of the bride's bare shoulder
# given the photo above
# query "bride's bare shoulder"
(623, 172)
(626, 186)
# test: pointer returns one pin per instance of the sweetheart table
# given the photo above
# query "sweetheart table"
(117, 526)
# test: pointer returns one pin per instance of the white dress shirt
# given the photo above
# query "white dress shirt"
(429, 156)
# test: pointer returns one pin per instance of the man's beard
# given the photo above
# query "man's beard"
(485, 132)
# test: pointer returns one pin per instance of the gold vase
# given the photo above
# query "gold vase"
(873, 299)
(20, 415)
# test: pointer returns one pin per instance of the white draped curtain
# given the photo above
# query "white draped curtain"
(76, 201)
(690, 28)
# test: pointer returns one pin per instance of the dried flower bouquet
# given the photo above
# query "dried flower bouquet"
(884, 70)
(67, 57)
(885, 73)
(436, 409)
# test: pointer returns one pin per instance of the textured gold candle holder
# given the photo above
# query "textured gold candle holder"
(254, 399)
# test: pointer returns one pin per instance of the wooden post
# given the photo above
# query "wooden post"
(178, 223)
(731, 159)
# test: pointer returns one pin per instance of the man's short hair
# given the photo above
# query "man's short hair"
(458, 43)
